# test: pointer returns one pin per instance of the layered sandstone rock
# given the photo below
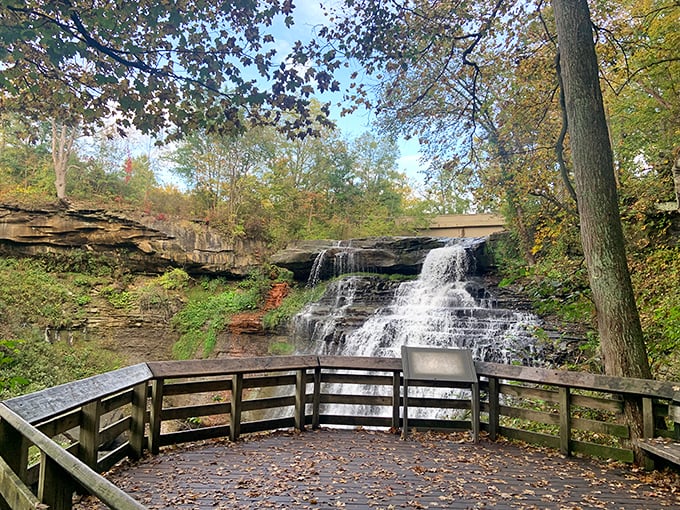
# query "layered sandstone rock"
(145, 244)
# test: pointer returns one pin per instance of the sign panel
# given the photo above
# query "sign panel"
(433, 364)
(453, 366)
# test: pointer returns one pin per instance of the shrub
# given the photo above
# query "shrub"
(175, 279)
(205, 316)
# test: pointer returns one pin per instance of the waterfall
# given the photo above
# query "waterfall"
(442, 308)
(335, 261)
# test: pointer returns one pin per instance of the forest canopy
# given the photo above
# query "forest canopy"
(253, 150)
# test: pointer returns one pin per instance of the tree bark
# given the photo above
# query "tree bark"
(621, 340)
(63, 138)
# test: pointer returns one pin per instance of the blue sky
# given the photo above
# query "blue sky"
(308, 14)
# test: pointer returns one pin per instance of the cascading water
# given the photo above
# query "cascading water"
(438, 310)
(444, 308)
(338, 260)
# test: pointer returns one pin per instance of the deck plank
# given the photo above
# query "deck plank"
(334, 468)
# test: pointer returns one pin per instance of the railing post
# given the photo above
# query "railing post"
(88, 450)
(236, 400)
(316, 398)
(648, 426)
(138, 417)
(14, 450)
(300, 398)
(55, 486)
(494, 407)
(565, 420)
(475, 405)
(396, 399)
(647, 418)
(155, 417)
(674, 411)
(13, 492)
(404, 424)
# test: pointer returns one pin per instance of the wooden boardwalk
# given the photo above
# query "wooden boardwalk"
(333, 468)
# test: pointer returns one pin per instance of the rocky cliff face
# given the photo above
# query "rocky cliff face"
(320, 260)
(144, 244)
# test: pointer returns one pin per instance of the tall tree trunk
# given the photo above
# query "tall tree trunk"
(621, 340)
(63, 138)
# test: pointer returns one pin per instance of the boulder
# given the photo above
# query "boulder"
(144, 244)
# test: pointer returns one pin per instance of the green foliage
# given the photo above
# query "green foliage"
(205, 316)
(37, 296)
(9, 381)
(281, 348)
(279, 274)
(118, 298)
(212, 285)
(295, 301)
(175, 279)
(37, 364)
(154, 63)
(655, 275)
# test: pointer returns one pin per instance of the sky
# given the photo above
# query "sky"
(307, 15)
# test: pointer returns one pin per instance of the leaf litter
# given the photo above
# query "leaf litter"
(370, 469)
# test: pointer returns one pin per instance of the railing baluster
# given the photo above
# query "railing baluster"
(14, 450)
(565, 420)
(648, 418)
(236, 401)
(396, 399)
(316, 399)
(156, 416)
(138, 416)
(89, 433)
(300, 398)
(494, 408)
(55, 487)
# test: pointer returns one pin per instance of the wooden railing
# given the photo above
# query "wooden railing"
(571, 411)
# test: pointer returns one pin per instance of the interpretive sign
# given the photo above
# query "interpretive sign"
(454, 366)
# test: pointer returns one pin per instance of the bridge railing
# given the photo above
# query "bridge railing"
(55, 442)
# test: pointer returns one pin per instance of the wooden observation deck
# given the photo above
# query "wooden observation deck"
(566, 412)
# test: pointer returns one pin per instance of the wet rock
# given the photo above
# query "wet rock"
(383, 255)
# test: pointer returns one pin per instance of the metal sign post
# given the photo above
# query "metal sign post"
(448, 365)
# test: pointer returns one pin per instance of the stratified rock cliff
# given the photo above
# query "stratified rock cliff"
(320, 260)
(146, 244)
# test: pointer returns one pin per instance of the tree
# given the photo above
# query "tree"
(189, 65)
(63, 138)
(219, 169)
(621, 339)
(24, 154)
(198, 64)
(463, 45)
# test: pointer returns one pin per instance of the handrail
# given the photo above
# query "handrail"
(143, 391)
(38, 406)
(195, 368)
(61, 465)
(582, 380)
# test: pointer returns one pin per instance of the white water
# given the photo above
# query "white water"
(436, 310)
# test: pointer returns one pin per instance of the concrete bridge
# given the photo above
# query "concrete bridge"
(465, 225)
